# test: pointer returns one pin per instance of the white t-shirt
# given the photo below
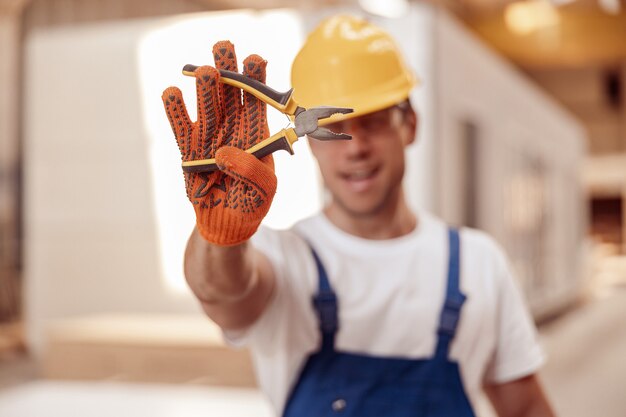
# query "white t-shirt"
(390, 296)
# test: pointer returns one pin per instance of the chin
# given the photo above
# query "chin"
(360, 209)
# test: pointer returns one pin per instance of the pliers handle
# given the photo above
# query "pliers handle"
(305, 120)
(283, 102)
(283, 140)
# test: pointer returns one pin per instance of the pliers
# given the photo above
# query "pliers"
(305, 120)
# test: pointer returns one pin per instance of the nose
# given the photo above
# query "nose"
(359, 146)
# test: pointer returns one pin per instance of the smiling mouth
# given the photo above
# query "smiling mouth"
(360, 180)
(360, 175)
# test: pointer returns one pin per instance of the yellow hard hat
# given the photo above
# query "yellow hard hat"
(348, 62)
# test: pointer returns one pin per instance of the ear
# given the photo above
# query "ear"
(411, 122)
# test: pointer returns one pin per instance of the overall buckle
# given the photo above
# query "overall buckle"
(450, 315)
(325, 305)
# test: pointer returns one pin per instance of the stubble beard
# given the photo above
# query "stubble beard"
(389, 199)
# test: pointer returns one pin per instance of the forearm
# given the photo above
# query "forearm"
(233, 283)
(219, 274)
(520, 398)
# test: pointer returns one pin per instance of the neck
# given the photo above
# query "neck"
(391, 221)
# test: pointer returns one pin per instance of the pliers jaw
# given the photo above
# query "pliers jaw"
(306, 122)
(322, 133)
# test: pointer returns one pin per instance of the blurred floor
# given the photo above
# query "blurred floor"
(586, 370)
(120, 399)
(585, 376)
(17, 371)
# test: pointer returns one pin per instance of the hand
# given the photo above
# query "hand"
(229, 203)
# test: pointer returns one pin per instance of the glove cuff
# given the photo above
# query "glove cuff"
(222, 228)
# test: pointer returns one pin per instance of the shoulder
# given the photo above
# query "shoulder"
(484, 265)
(292, 240)
(308, 226)
(476, 245)
(482, 247)
(267, 239)
(289, 253)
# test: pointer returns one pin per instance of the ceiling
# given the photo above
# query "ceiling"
(580, 33)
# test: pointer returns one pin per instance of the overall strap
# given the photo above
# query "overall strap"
(454, 300)
(325, 305)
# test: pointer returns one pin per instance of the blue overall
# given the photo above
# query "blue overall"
(335, 383)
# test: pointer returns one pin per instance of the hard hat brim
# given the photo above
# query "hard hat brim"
(363, 106)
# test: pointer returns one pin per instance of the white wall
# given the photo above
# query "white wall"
(414, 33)
(516, 121)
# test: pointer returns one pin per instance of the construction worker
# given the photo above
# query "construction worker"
(367, 308)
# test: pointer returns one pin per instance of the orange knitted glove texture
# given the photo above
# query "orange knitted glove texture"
(229, 203)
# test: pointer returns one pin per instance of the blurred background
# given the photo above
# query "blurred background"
(523, 135)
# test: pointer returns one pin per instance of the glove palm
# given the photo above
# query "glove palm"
(230, 203)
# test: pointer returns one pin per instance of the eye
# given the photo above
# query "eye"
(376, 123)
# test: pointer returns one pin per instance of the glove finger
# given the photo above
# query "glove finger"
(255, 110)
(199, 185)
(256, 175)
(210, 110)
(179, 118)
(225, 58)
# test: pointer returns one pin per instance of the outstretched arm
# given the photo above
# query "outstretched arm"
(233, 283)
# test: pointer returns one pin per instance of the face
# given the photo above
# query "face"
(364, 174)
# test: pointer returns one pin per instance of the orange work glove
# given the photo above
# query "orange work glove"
(229, 203)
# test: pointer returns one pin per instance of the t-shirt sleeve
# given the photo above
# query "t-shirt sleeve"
(286, 252)
(518, 352)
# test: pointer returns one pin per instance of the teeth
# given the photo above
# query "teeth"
(360, 175)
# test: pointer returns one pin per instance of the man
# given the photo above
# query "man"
(366, 309)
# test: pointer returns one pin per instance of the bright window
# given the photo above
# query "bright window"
(276, 36)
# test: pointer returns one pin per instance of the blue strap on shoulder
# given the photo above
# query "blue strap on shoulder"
(325, 305)
(454, 300)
